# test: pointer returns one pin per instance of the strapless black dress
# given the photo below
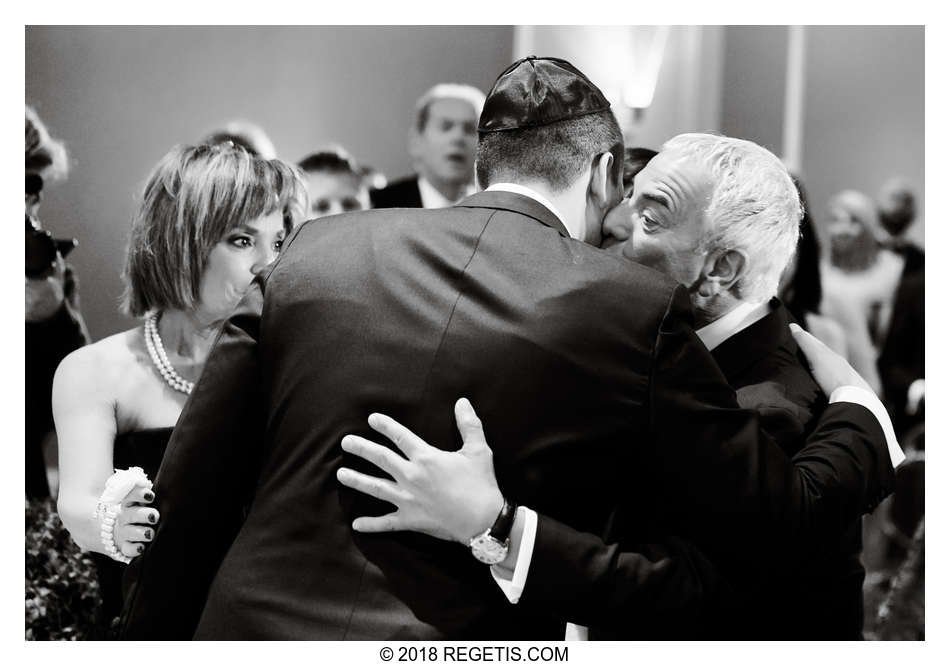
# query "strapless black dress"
(145, 449)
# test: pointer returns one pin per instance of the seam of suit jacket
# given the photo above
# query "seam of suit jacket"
(359, 587)
(653, 352)
(458, 297)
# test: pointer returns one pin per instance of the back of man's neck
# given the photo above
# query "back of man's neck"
(568, 205)
(710, 311)
(538, 187)
(743, 314)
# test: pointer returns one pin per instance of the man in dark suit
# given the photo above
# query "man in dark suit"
(498, 299)
(901, 362)
(822, 598)
(442, 147)
(725, 234)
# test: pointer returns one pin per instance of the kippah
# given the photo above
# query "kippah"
(539, 91)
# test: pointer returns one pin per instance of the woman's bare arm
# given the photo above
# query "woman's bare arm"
(84, 413)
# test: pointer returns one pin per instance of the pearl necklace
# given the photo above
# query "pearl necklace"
(153, 342)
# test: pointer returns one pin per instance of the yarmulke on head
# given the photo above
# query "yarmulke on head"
(534, 92)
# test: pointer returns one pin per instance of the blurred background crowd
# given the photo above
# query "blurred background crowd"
(386, 117)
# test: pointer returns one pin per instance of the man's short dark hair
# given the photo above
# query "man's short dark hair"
(556, 153)
(330, 160)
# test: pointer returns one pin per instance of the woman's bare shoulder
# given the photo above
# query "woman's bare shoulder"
(102, 363)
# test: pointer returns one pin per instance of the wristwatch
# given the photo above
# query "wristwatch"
(491, 546)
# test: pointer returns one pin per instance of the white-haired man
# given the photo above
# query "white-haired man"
(721, 216)
(442, 147)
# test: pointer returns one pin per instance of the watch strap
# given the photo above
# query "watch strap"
(501, 528)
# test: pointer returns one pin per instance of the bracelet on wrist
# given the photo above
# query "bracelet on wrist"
(107, 514)
(117, 488)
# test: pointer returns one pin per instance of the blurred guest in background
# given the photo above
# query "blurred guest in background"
(245, 134)
(894, 535)
(634, 159)
(897, 211)
(210, 219)
(54, 325)
(442, 147)
(800, 286)
(901, 362)
(335, 183)
(860, 281)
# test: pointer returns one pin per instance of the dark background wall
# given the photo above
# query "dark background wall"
(863, 104)
(864, 111)
(120, 97)
(753, 83)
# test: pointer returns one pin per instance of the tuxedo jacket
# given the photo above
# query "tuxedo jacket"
(583, 366)
(902, 356)
(402, 193)
(820, 597)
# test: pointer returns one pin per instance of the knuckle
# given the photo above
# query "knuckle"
(413, 476)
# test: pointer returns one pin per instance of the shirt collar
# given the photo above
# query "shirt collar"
(432, 198)
(740, 317)
(531, 194)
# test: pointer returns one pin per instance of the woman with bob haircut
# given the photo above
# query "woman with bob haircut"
(210, 219)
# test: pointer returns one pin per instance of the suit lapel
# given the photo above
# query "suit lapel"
(516, 203)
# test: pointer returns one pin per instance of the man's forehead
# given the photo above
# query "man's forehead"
(452, 108)
(672, 173)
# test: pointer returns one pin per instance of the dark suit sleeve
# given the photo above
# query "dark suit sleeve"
(665, 588)
(203, 483)
(732, 485)
(724, 482)
(902, 358)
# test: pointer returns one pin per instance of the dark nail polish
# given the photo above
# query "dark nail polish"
(148, 534)
(149, 496)
(151, 518)
(141, 549)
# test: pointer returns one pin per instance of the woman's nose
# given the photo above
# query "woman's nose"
(265, 257)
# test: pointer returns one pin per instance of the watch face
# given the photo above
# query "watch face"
(488, 550)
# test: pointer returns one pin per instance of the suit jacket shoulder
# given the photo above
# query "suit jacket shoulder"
(763, 363)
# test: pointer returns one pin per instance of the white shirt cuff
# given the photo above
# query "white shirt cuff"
(867, 399)
(576, 632)
(915, 393)
(514, 587)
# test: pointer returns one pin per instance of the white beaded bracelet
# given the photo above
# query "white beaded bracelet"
(107, 514)
(118, 486)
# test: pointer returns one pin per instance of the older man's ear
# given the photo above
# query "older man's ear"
(721, 270)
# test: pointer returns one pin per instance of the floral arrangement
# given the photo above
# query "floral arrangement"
(62, 592)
